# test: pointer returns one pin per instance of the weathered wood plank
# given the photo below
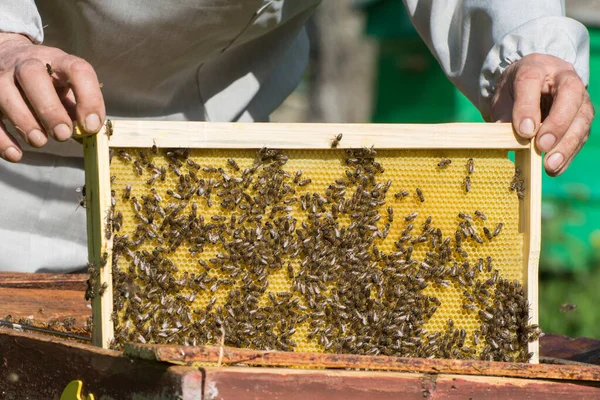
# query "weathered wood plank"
(37, 367)
(182, 354)
(260, 383)
(43, 281)
(44, 304)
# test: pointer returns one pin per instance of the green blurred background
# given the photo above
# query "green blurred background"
(570, 262)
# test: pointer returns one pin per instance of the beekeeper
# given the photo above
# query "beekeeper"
(235, 60)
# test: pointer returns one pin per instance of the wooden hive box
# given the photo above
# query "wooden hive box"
(133, 162)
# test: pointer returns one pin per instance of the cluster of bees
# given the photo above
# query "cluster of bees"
(345, 293)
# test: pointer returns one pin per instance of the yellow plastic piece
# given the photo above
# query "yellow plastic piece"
(73, 392)
(444, 193)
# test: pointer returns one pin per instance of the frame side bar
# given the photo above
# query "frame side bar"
(98, 204)
(530, 162)
(225, 135)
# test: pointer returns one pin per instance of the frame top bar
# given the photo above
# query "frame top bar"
(233, 135)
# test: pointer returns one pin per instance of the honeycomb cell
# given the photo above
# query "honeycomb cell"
(257, 256)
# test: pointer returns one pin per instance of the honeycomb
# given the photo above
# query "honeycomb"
(320, 251)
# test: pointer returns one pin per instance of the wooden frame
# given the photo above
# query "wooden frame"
(144, 134)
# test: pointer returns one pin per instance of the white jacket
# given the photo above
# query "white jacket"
(224, 60)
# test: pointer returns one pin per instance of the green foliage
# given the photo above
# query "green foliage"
(580, 288)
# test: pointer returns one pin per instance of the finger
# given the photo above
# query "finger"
(568, 98)
(9, 148)
(67, 99)
(15, 109)
(82, 79)
(557, 160)
(527, 90)
(39, 89)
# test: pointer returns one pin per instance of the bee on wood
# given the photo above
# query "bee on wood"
(336, 141)
(467, 184)
(103, 288)
(444, 163)
(109, 128)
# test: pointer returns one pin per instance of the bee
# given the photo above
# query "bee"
(193, 164)
(568, 307)
(173, 194)
(124, 155)
(498, 229)
(411, 217)
(103, 288)
(464, 216)
(480, 215)
(163, 173)
(49, 69)
(336, 141)
(113, 199)
(420, 195)
(233, 164)
(109, 128)
(401, 195)
(304, 182)
(488, 233)
(127, 192)
(154, 148)
(467, 184)
(138, 167)
(297, 176)
(390, 212)
(470, 166)
(444, 162)
(489, 264)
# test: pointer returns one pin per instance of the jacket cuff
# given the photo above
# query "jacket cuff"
(22, 17)
(560, 37)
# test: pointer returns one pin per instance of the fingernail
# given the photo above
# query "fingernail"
(12, 154)
(545, 142)
(37, 138)
(554, 161)
(527, 127)
(92, 123)
(62, 132)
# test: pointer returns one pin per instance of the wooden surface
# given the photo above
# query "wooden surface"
(37, 367)
(530, 209)
(98, 205)
(43, 305)
(202, 354)
(255, 383)
(24, 280)
(173, 134)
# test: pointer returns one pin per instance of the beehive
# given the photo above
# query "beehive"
(332, 270)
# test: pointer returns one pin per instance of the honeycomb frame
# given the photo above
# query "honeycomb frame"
(200, 135)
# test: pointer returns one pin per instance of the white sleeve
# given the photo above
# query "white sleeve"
(21, 16)
(475, 40)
